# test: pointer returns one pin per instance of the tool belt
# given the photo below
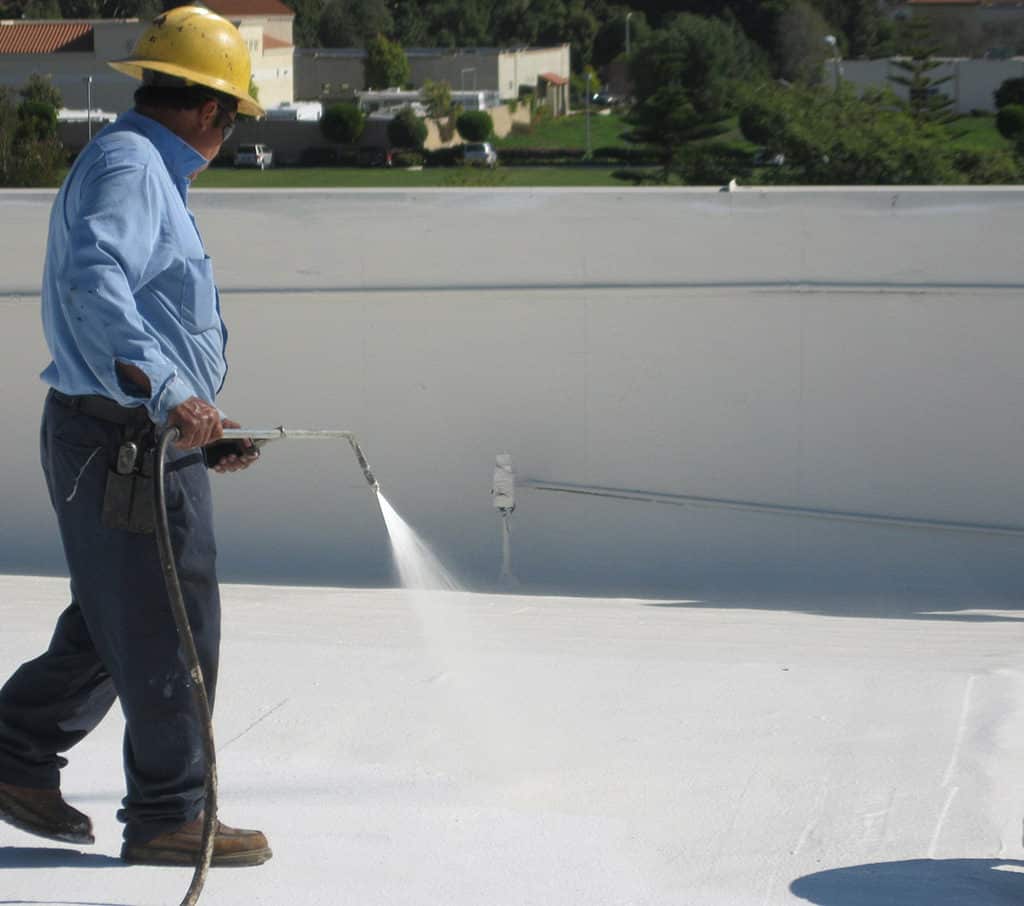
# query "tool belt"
(128, 500)
(104, 409)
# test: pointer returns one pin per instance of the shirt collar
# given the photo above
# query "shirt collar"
(180, 158)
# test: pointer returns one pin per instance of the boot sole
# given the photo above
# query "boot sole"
(15, 816)
(175, 857)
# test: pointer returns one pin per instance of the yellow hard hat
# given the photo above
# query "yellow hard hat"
(196, 45)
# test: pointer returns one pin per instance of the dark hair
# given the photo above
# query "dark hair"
(164, 92)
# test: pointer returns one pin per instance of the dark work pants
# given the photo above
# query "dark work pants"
(118, 639)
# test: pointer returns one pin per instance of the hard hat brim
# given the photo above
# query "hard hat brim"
(135, 68)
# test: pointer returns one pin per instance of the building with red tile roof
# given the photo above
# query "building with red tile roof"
(74, 53)
(21, 37)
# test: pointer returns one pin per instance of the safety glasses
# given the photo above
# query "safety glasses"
(227, 120)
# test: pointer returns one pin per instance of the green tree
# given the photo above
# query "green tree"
(37, 121)
(81, 9)
(40, 89)
(686, 80)
(610, 40)
(863, 28)
(42, 9)
(353, 23)
(343, 123)
(31, 154)
(1010, 92)
(411, 25)
(475, 125)
(8, 124)
(306, 27)
(459, 23)
(928, 104)
(988, 168)
(129, 9)
(579, 30)
(580, 88)
(838, 138)
(669, 121)
(706, 58)
(437, 98)
(407, 130)
(1010, 123)
(386, 65)
(801, 45)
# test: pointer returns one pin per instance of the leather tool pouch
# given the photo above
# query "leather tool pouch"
(128, 502)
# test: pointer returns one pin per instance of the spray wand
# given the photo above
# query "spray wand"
(259, 437)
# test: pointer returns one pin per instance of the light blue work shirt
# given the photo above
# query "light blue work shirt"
(127, 278)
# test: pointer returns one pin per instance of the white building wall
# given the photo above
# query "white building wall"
(972, 83)
(274, 74)
(281, 27)
(523, 67)
(850, 350)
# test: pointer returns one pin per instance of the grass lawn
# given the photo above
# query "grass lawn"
(977, 133)
(570, 132)
(453, 177)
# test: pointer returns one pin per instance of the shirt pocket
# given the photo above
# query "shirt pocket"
(199, 296)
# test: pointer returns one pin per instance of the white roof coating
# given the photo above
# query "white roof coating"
(813, 691)
(412, 749)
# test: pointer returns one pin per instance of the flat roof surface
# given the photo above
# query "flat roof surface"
(411, 748)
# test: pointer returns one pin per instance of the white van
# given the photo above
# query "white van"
(254, 156)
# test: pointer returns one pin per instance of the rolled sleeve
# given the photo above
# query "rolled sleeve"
(110, 248)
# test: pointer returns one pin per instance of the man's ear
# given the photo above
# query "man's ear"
(208, 114)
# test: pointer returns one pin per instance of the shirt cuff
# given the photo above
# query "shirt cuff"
(173, 393)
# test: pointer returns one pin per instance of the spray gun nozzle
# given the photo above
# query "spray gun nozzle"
(262, 436)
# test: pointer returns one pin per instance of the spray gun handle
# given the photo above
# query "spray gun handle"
(220, 450)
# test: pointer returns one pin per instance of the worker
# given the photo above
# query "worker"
(132, 319)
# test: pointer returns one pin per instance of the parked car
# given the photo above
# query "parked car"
(769, 159)
(254, 156)
(480, 153)
(603, 99)
(374, 156)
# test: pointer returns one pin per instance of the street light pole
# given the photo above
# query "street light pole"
(588, 115)
(830, 40)
(88, 103)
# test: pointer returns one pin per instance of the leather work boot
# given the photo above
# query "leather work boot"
(231, 847)
(44, 813)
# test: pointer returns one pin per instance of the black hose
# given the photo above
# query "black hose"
(188, 646)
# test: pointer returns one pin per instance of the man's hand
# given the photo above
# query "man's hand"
(198, 422)
(235, 463)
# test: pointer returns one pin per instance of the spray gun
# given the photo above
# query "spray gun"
(263, 436)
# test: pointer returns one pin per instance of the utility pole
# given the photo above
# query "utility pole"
(587, 155)
(830, 40)
(88, 103)
(627, 33)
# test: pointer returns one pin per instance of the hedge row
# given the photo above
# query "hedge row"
(546, 157)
